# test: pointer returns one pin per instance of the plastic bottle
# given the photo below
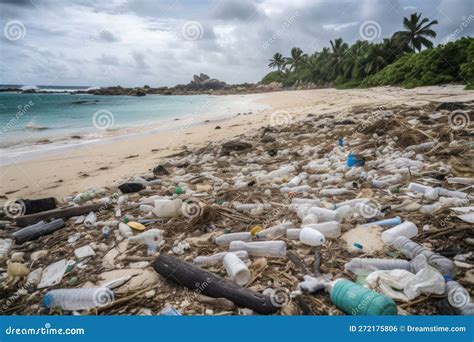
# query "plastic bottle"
(236, 269)
(90, 220)
(383, 223)
(354, 299)
(334, 192)
(330, 230)
(78, 299)
(149, 237)
(407, 229)
(275, 231)
(324, 214)
(458, 299)
(105, 232)
(345, 211)
(298, 189)
(367, 265)
(293, 233)
(217, 258)
(226, 239)
(275, 249)
(351, 202)
(311, 237)
(295, 181)
(411, 249)
(311, 201)
(125, 230)
(310, 218)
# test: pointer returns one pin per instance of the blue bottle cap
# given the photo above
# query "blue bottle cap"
(48, 300)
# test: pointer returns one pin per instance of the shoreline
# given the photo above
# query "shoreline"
(87, 165)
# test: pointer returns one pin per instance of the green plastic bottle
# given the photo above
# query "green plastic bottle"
(354, 299)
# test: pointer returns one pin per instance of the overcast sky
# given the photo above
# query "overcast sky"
(137, 42)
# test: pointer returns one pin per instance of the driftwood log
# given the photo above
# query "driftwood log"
(27, 220)
(35, 231)
(212, 285)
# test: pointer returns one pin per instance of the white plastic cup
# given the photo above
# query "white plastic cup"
(311, 237)
(236, 269)
(407, 229)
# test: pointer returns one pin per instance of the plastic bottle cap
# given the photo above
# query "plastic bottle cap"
(48, 300)
(357, 245)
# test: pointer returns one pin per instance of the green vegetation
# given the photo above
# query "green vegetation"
(398, 60)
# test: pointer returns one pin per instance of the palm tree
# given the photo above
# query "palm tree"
(339, 49)
(277, 61)
(297, 59)
(417, 31)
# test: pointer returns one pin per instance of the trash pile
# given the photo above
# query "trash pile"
(361, 213)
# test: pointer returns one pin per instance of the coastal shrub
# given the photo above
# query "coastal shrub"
(274, 76)
(450, 63)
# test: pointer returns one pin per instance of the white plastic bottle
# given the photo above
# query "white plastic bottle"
(311, 237)
(324, 214)
(215, 259)
(275, 231)
(236, 269)
(310, 218)
(226, 239)
(78, 299)
(276, 249)
(367, 265)
(125, 230)
(407, 229)
(293, 234)
(330, 230)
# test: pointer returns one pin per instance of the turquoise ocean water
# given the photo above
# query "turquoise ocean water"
(36, 122)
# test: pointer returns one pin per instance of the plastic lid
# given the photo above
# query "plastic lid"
(48, 300)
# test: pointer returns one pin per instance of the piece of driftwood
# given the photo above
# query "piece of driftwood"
(210, 284)
(35, 231)
(27, 220)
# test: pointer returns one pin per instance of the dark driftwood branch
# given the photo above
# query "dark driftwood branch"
(209, 284)
(37, 230)
(64, 213)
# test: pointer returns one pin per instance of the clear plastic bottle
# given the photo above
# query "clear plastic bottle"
(411, 249)
(367, 265)
(215, 259)
(90, 220)
(275, 231)
(407, 229)
(78, 299)
(168, 208)
(226, 239)
(324, 214)
(309, 219)
(293, 233)
(330, 230)
(275, 249)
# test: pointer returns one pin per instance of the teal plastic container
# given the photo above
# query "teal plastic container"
(354, 299)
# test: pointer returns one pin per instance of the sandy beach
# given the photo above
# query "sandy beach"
(65, 172)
